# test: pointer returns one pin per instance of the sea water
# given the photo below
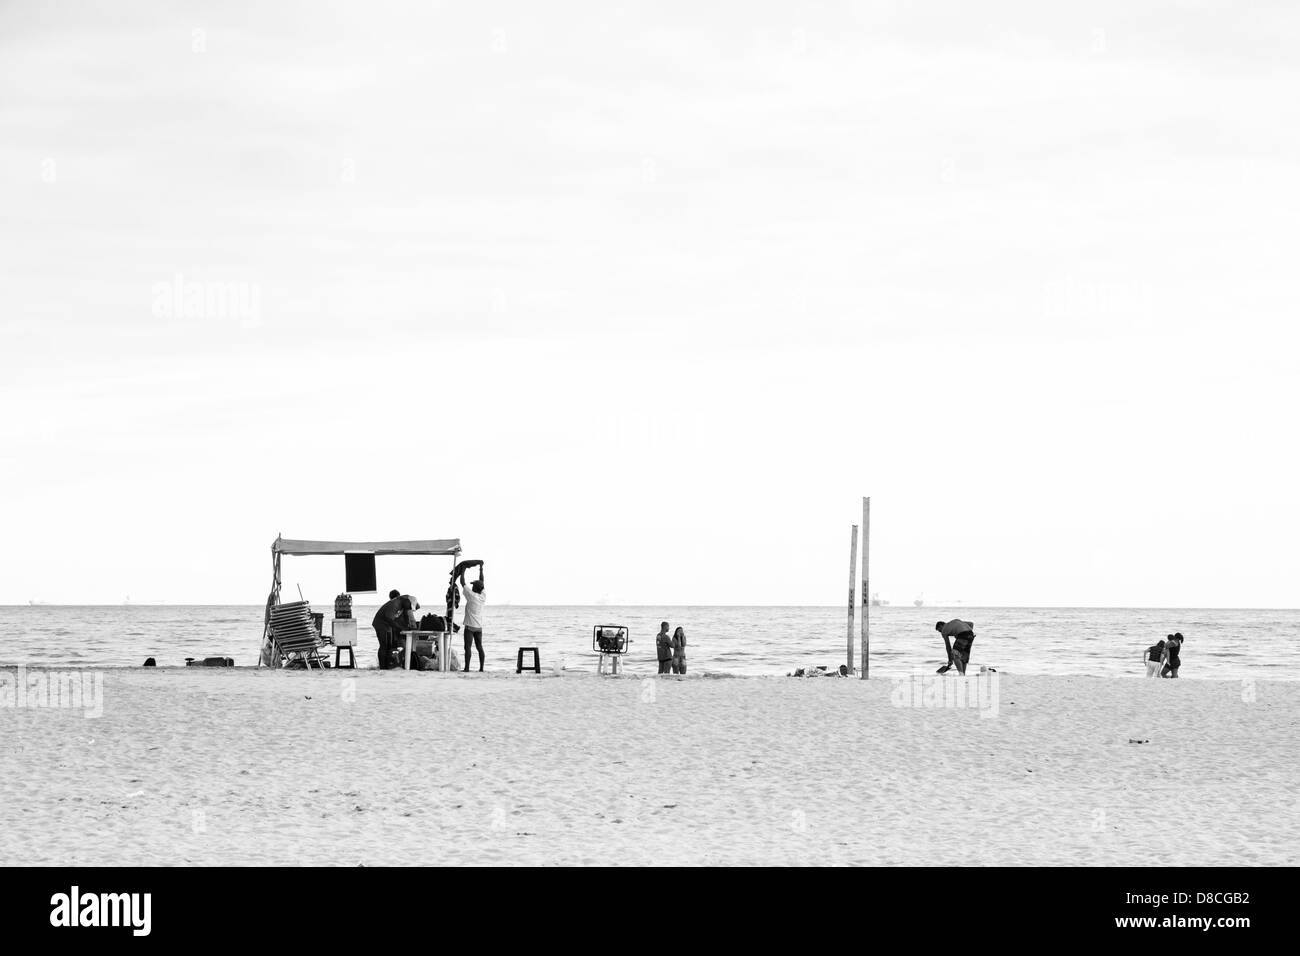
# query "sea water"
(720, 640)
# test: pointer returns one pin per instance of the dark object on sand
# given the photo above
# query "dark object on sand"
(820, 671)
(535, 666)
(210, 662)
(150, 662)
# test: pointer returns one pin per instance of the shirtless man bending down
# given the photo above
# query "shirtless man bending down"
(958, 636)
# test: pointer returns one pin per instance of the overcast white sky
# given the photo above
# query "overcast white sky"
(639, 299)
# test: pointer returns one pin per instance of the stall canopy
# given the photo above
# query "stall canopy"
(290, 546)
(449, 546)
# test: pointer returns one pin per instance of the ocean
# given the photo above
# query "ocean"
(720, 640)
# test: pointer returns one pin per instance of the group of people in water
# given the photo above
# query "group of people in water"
(1162, 657)
(671, 650)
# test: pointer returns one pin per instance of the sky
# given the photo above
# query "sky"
(640, 300)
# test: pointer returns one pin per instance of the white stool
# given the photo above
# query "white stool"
(345, 635)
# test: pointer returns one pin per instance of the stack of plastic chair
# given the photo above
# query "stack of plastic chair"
(294, 632)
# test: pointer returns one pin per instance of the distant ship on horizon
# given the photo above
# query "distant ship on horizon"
(919, 600)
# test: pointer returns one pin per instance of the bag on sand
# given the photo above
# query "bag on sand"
(424, 657)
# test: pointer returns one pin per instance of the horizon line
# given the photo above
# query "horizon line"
(1040, 607)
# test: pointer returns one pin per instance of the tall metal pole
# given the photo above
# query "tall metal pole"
(866, 588)
(853, 575)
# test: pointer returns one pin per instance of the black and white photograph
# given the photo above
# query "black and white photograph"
(434, 435)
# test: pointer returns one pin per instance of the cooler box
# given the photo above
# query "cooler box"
(345, 632)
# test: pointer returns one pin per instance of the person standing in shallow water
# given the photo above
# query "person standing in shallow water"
(1155, 657)
(664, 649)
(1173, 647)
(679, 651)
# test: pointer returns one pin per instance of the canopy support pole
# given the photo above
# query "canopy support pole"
(272, 600)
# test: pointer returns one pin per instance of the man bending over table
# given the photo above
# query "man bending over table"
(385, 623)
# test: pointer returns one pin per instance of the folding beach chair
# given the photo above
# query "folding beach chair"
(307, 648)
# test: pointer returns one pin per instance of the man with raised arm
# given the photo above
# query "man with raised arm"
(475, 597)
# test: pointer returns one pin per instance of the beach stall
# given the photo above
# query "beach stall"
(287, 630)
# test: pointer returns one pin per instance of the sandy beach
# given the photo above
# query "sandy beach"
(246, 767)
